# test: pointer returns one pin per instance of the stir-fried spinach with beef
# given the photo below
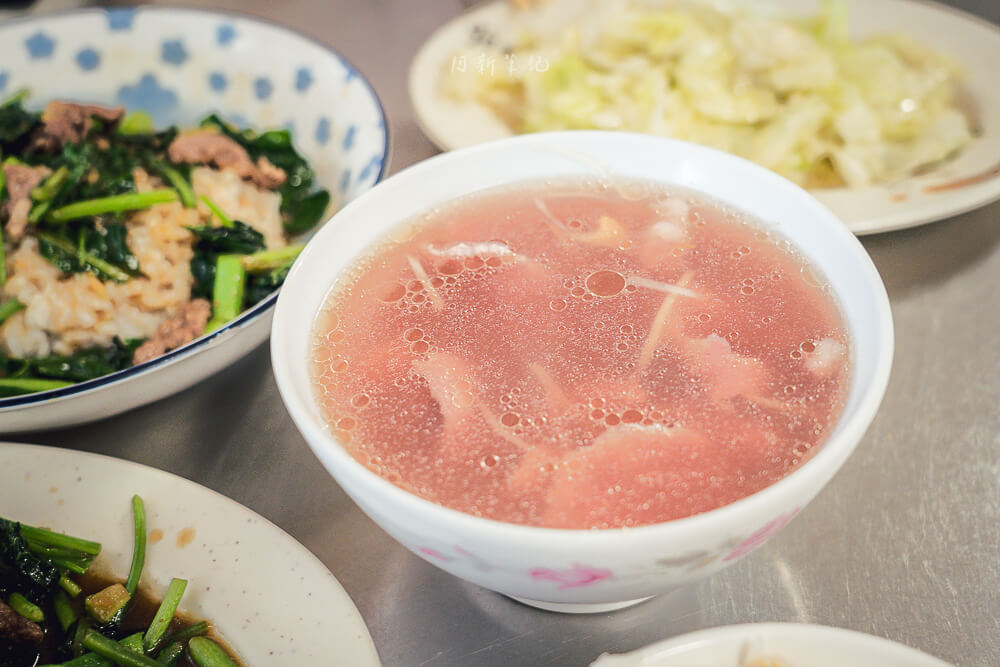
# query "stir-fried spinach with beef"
(55, 611)
(67, 178)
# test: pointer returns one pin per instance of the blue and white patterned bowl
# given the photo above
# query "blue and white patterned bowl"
(179, 65)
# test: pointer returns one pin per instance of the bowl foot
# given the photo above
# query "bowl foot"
(579, 608)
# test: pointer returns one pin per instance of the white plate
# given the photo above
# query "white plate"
(789, 644)
(907, 203)
(273, 601)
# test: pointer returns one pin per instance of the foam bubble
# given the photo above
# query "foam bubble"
(605, 283)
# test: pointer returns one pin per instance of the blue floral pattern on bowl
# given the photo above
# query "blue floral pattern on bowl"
(179, 65)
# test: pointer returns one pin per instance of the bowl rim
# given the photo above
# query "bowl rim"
(252, 313)
(828, 459)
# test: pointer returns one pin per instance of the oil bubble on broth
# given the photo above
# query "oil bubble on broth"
(581, 354)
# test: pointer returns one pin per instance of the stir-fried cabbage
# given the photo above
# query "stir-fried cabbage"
(795, 95)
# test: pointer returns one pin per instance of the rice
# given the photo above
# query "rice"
(64, 313)
(261, 209)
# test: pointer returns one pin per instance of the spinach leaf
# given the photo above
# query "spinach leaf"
(15, 124)
(305, 213)
(85, 364)
(100, 249)
(240, 239)
(262, 284)
(109, 242)
(301, 207)
(35, 577)
(102, 172)
(65, 261)
(203, 271)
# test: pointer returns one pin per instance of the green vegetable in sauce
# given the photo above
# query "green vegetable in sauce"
(206, 653)
(112, 650)
(171, 653)
(71, 587)
(34, 575)
(138, 544)
(105, 604)
(64, 610)
(26, 608)
(164, 615)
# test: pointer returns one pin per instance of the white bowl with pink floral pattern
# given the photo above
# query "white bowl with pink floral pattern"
(586, 570)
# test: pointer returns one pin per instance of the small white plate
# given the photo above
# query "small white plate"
(268, 596)
(907, 203)
(786, 644)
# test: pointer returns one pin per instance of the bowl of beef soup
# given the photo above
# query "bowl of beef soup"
(585, 368)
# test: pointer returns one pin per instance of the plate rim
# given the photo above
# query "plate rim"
(722, 633)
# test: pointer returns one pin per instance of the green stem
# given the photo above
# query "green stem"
(8, 308)
(227, 292)
(85, 660)
(17, 97)
(49, 538)
(131, 201)
(112, 650)
(26, 608)
(64, 611)
(171, 653)
(54, 554)
(196, 630)
(136, 122)
(224, 219)
(82, 627)
(131, 643)
(108, 269)
(13, 386)
(74, 566)
(39, 211)
(177, 181)
(206, 653)
(138, 554)
(266, 260)
(139, 548)
(164, 615)
(50, 187)
(71, 587)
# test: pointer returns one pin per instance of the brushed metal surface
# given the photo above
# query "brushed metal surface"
(903, 543)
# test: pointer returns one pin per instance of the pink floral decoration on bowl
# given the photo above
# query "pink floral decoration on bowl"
(575, 577)
(761, 536)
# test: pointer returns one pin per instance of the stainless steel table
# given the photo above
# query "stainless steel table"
(903, 543)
